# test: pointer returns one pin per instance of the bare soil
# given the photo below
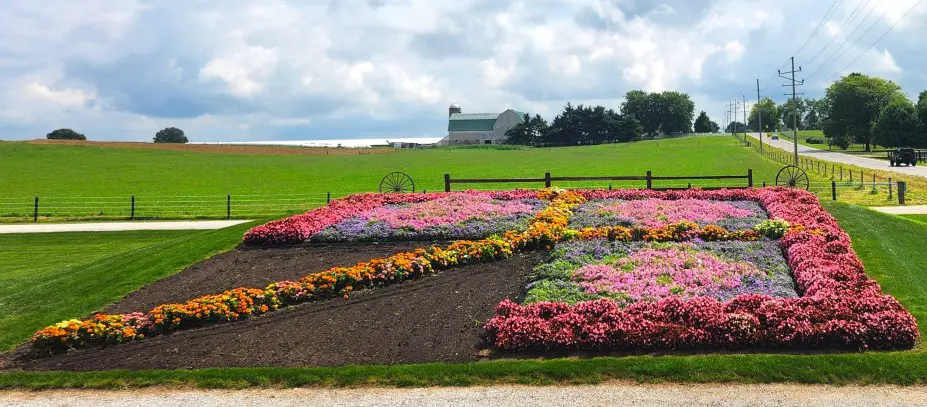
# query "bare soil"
(222, 148)
(437, 318)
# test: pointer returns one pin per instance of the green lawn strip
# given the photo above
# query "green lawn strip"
(902, 368)
(918, 218)
(888, 245)
(101, 268)
(33, 170)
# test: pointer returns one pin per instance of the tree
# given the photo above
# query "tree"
(770, 116)
(65, 134)
(589, 125)
(170, 135)
(528, 132)
(853, 104)
(812, 119)
(786, 113)
(703, 124)
(897, 125)
(922, 115)
(735, 127)
(665, 112)
(629, 129)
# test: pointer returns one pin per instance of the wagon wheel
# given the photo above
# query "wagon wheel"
(793, 177)
(397, 182)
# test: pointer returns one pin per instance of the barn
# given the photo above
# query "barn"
(479, 128)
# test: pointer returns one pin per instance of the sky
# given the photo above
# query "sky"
(235, 70)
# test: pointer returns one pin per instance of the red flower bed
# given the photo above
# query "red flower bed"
(841, 307)
(298, 228)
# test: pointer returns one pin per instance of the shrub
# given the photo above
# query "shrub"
(65, 134)
(814, 140)
(170, 135)
(773, 228)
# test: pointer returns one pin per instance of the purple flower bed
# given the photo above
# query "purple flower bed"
(731, 215)
(631, 272)
(446, 218)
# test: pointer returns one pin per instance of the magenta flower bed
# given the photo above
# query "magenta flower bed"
(839, 307)
(732, 215)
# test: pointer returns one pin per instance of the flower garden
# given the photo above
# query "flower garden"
(624, 270)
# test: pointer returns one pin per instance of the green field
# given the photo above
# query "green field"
(891, 248)
(99, 181)
(49, 277)
(804, 135)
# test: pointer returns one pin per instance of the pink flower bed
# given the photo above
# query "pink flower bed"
(661, 212)
(299, 228)
(654, 273)
(840, 307)
(446, 210)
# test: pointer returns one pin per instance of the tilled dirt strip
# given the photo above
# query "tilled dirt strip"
(614, 394)
(433, 319)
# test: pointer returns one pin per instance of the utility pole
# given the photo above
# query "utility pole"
(794, 105)
(744, 97)
(733, 118)
(759, 114)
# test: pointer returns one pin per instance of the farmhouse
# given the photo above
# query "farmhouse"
(479, 128)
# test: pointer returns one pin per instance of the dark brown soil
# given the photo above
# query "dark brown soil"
(433, 319)
(256, 268)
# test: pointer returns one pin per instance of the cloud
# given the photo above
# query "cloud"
(236, 69)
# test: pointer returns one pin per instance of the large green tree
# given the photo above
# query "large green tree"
(170, 135)
(922, 113)
(580, 124)
(770, 116)
(853, 104)
(788, 115)
(528, 132)
(65, 134)
(897, 125)
(666, 112)
(703, 124)
(813, 113)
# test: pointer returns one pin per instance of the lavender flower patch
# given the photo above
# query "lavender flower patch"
(447, 219)
(731, 215)
(628, 272)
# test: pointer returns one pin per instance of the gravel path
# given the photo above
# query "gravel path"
(836, 157)
(119, 226)
(618, 394)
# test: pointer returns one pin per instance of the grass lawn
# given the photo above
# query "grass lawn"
(919, 218)
(49, 277)
(804, 135)
(891, 248)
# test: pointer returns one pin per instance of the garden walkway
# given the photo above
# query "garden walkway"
(836, 157)
(119, 226)
(902, 210)
(602, 395)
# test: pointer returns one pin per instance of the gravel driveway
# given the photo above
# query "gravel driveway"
(615, 394)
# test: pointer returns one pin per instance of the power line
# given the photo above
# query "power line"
(845, 41)
(883, 35)
(818, 28)
(871, 26)
(840, 30)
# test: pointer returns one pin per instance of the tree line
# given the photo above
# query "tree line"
(640, 114)
(855, 109)
(167, 135)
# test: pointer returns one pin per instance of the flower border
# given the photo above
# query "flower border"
(841, 307)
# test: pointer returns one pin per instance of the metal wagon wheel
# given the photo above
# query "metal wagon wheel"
(793, 177)
(397, 182)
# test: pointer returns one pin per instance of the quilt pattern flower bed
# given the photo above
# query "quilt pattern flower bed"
(753, 268)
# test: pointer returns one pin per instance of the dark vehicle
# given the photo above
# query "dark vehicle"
(902, 156)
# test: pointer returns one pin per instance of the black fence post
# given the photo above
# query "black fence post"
(132, 211)
(889, 188)
(750, 178)
(609, 187)
(35, 210)
(649, 180)
(833, 190)
(447, 182)
(228, 206)
(902, 188)
(546, 180)
(328, 198)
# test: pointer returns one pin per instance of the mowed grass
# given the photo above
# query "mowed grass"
(49, 277)
(91, 171)
(891, 248)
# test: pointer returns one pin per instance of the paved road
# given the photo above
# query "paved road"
(851, 159)
(617, 394)
(119, 226)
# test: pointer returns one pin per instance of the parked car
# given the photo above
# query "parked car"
(775, 137)
(900, 156)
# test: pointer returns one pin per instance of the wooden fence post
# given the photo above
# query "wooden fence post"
(750, 178)
(649, 180)
(447, 182)
(902, 188)
(833, 190)
(889, 188)
(546, 180)
(328, 198)
(132, 212)
(228, 206)
(35, 210)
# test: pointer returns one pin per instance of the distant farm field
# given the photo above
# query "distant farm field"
(102, 170)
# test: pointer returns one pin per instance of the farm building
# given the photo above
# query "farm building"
(479, 128)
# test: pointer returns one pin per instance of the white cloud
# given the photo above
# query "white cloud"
(64, 97)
